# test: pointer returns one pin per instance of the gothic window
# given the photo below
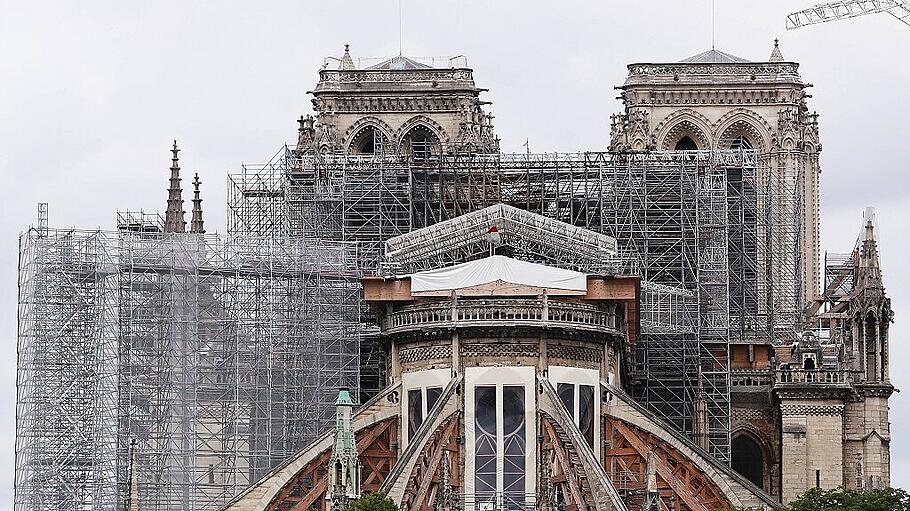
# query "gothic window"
(485, 444)
(420, 143)
(368, 140)
(433, 394)
(513, 446)
(566, 392)
(747, 459)
(586, 412)
(420, 402)
(500, 447)
(686, 144)
(741, 143)
(415, 411)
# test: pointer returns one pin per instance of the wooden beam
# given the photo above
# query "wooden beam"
(433, 464)
(663, 471)
(565, 466)
(315, 493)
(378, 289)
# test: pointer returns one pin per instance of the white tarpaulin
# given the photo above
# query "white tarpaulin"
(497, 268)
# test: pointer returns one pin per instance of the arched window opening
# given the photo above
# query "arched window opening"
(686, 144)
(338, 474)
(872, 369)
(809, 364)
(420, 143)
(368, 140)
(747, 459)
(741, 143)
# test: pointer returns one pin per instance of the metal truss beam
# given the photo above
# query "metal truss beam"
(833, 11)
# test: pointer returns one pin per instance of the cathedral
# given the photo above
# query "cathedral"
(511, 336)
(398, 306)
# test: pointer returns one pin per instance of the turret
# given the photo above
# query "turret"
(196, 224)
(174, 217)
(344, 468)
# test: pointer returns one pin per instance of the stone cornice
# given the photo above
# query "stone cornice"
(874, 389)
(778, 72)
(715, 95)
(813, 409)
(443, 79)
(804, 392)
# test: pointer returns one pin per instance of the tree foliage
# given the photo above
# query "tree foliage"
(842, 499)
(883, 499)
(375, 501)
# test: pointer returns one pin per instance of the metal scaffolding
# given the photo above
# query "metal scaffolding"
(720, 226)
(219, 357)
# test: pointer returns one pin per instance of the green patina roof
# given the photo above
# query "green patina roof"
(344, 398)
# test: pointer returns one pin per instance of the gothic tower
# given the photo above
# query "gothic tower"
(174, 220)
(344, 466)
(401, 105)
(832, 389)
(715, 100)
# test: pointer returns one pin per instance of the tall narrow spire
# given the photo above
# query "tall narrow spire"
(132, 498)
(196, 225)
(174, 220)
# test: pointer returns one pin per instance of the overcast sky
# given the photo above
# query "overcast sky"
(92, 93)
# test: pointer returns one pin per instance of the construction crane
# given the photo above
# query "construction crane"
(832, 11)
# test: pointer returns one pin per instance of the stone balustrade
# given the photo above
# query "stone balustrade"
(751, 378)
(516, 312)
(811, 376)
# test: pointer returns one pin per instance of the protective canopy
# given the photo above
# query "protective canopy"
(498, 268)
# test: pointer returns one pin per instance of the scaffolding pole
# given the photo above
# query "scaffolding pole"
(722, 226)
(219, 357)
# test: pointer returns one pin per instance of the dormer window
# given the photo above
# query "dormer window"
(809, 362)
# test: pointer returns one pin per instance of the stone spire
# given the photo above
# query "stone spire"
(870, 267)
(775, 53)
(196, 225)
(344, 469)
(132, 499)
(347, 63)
(174, 216)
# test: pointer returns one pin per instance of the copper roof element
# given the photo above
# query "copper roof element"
(713, 56)
(174, 217)
(196, 225)
(775, 53)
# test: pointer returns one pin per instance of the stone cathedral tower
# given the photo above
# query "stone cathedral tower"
(398, 106)
(715, 100)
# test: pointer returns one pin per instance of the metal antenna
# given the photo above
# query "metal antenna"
(713, 15)
(399, 28)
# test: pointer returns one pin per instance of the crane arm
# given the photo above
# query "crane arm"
(831, 11)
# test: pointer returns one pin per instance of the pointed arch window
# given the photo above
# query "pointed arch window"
(747, 458)
(369, 140)
(686, 144)
(420, 143)
(741, 143)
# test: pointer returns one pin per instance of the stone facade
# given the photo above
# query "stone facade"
(804, 412)
(399, 106)
(717, 101)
